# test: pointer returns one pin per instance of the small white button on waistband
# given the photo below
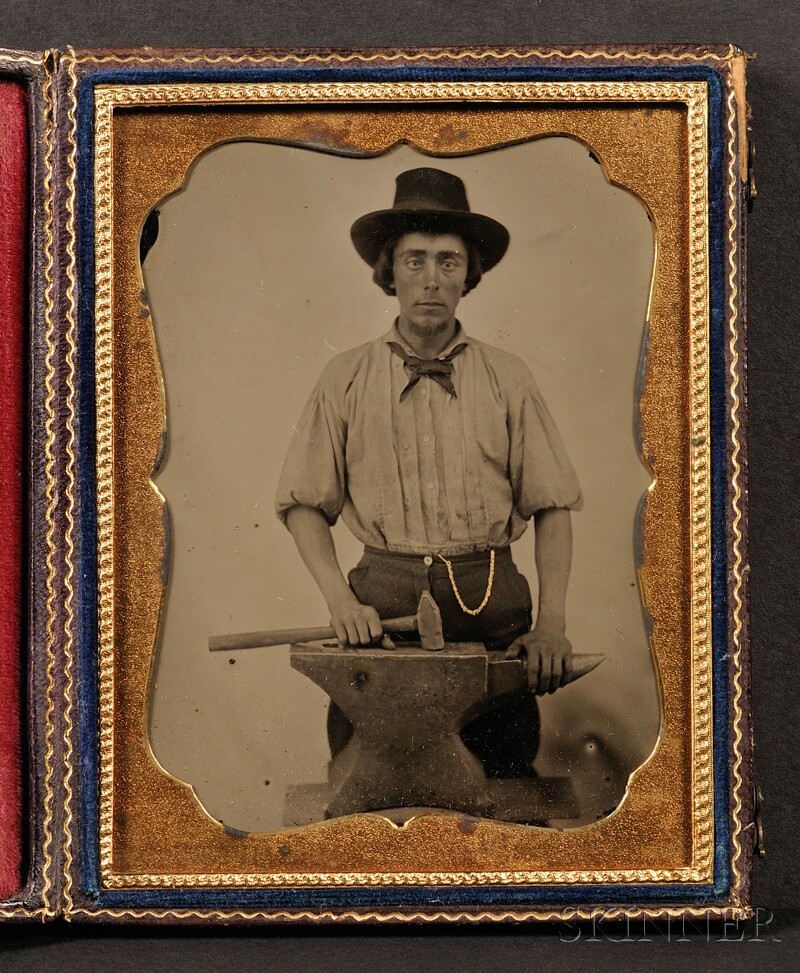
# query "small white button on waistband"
(427, 560)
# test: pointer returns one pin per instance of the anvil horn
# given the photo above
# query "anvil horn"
(583, 663)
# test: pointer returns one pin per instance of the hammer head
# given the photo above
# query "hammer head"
(429, 623)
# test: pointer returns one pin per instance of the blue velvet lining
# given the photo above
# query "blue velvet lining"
(410, 898)
(414, 898)
(406, 73)
(719, 559)
(86, 547)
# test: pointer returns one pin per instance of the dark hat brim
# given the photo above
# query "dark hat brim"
(370, 233)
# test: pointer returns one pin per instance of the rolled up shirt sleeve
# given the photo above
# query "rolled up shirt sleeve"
(314, 471)
(540, 470)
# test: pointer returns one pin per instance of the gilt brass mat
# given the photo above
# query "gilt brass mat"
(651, 139)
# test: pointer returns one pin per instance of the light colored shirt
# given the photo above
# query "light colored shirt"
(434, 473)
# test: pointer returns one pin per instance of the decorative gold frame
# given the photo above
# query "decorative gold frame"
(127, 508)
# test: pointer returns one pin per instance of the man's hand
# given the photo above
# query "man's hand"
(549, 654)
(354, 623)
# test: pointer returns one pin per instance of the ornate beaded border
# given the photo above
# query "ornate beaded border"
(694, 96)
(386, 55)
(243, 917)
(51, 494)
(71, 306)
(737, 500)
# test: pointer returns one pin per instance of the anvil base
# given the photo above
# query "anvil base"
(535, 801)
(407, 707)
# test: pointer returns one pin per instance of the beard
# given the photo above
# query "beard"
(427, 330)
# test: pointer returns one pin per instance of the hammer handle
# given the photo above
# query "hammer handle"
(288, 636)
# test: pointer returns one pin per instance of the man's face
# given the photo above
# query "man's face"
(429, 275)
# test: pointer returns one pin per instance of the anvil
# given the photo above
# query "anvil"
(407, 708)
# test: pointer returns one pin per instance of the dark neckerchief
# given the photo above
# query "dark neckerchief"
(439, 369)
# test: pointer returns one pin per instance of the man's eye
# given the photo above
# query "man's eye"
(413, 263)
(449, 265)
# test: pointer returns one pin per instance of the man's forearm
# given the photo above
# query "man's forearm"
(547, 648)
(553, 562)
(314, 541)
(354, 623)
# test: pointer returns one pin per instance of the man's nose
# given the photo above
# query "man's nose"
(431, 275)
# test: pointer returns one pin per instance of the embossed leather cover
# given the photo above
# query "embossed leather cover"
(26, 676)
(13, 240)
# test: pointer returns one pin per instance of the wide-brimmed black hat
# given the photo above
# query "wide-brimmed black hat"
(429, 201)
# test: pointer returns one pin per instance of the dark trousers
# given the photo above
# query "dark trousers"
(506, 735)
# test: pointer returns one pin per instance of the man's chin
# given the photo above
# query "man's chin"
(427, 329)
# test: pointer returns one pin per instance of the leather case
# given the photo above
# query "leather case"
(113, 836)
(29, 837)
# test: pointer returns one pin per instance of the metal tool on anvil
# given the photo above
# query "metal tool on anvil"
(427, 622)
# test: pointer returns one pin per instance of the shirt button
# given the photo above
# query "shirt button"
(430, 486)
(426, 439)
(427, 560)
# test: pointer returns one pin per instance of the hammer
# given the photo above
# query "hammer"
(427, 621)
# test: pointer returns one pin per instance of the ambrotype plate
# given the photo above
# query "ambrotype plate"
(585, 212)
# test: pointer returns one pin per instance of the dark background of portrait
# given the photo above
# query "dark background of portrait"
(769, 29)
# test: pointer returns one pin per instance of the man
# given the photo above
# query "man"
(437, 450)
